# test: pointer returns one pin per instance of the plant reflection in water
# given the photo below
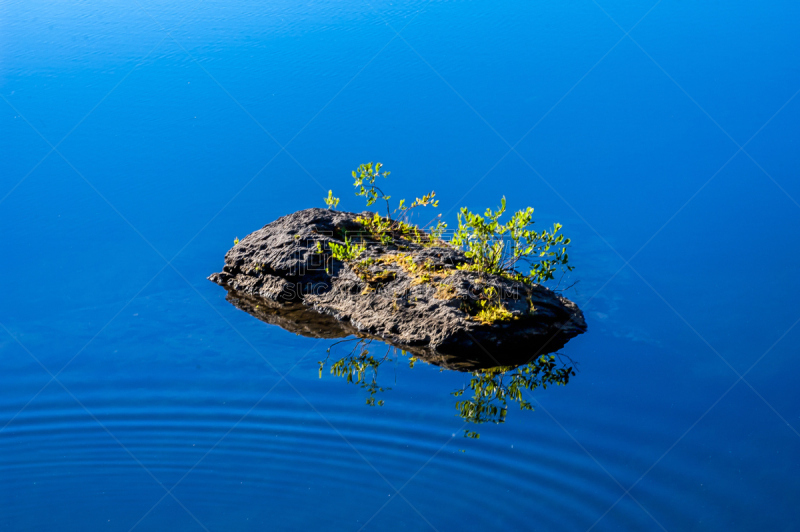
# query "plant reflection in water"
(485, 399)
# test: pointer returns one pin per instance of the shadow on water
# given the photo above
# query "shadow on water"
(496, 381)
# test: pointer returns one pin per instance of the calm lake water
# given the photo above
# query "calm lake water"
(140, 138)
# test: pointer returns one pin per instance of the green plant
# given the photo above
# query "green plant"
(388, 231)
(424, 201)
(493, 388)
(491, 308)
(421, 279)
(361, 368)
(364, 177)
(330, 201)
(484, 240)
(378, 226)
(347, 251)
(365, 185)
(507, 249)
(437, 231)
(376, 278)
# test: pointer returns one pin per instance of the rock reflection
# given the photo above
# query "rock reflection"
(497, 380)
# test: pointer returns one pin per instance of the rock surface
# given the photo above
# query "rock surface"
(406, 294)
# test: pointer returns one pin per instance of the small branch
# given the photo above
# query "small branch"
(343, 341)
(574, 364)
(567, 288)
(388, 212)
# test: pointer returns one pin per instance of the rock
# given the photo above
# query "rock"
(407, 294)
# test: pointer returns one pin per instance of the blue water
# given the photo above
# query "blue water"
(139, 138)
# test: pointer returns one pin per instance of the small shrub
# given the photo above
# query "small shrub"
(437, 231)
(491, 308)
(365, 185)
(330, 201)
(483, 240)
(512, 249)
(379, 227)
(347, 251)
(364, 177)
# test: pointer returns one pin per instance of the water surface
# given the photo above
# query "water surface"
(139, 139)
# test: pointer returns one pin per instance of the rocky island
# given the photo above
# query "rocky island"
(326, 273)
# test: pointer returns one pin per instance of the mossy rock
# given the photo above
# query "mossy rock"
(408, 294)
